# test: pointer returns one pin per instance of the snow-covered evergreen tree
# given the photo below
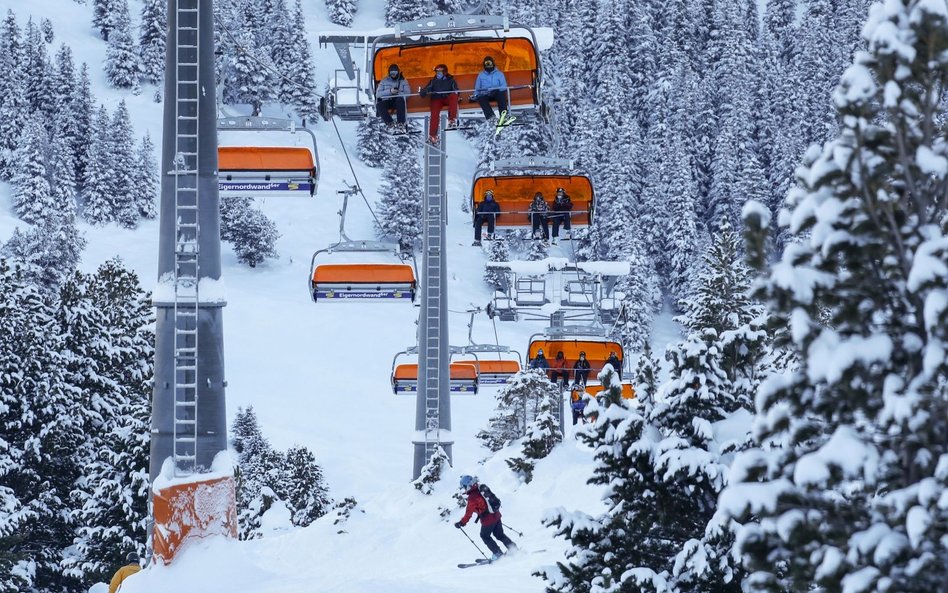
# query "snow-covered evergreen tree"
(341, 11)
(121, 55)
(399, 209)
(39, 77)
(841, 492)
(99, 203)
(14, 106)
(402, 11)
(300, 83)
(125, 173)
(41, 429)
(303, 486)
(540, 437)
(645, 375)
(53, 248)
(519, 403)
(497, 250)
(152, 31)
(83, 109)
(373, 142)
(33, 198)
(642, 296)
(147, 184)
(248, 229)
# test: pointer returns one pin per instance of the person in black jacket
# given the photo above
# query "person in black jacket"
(537, 213)
(487, 211)
(444, 91)
(616, 364)
(540, 362)
(561, 208)
(581, 369)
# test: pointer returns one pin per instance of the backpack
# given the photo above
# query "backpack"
(493, 503)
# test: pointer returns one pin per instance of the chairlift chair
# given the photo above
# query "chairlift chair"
(495, 363)
(460, 42)
(360, 270)
(571, 340)
(515, 182)
(264, 156)
(464, 376)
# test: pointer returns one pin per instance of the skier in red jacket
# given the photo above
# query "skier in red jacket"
(491, 525)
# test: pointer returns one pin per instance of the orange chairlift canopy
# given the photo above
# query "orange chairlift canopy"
(363, 281)
(514, 193)
(516, 57)
(265, 156)
(464, 378)
(597, 351)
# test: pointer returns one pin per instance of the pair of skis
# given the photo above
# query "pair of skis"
(503, 121)
(478, 562)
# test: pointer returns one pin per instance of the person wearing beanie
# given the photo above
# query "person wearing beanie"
(491, 85)
(392, 93)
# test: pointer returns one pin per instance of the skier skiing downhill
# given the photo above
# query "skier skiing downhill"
(491, 525)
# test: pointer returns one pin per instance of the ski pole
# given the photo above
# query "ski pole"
(472, 543)
(514, 530)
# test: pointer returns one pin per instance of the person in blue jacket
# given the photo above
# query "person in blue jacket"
(491, 85)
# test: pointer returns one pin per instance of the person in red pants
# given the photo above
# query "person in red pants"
(444, 91)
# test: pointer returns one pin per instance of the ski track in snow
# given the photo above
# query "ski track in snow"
(319, 376)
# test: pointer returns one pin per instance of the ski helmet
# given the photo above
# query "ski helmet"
(131, 557)
(489, 193)
(467, 481)
(488, 62)
(393, 68)
(540, 352)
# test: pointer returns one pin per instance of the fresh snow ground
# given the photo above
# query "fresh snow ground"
(318, 375)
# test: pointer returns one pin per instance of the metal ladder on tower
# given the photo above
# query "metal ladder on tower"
(186, 268)
(434, 350)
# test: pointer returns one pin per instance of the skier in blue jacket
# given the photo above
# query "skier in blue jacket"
(491, 85)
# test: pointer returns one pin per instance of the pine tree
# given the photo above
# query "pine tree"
(103, 13)
(147, 185)
(53, 248)
(540, 437)
(252, 234)
(399, 209)
(83, 106)
(121, 57)
(341, 11)
(373, 142)
(303, 486)
(98, 200)
(14, 106)
(721, 299)
(642, 296)
(403, 11)
(124, 171)
(498, 250)
(518, 405)
(112, 359)
(33, 198)
(645, 376)
(41, 429)
(299, 84)
(39, 76)
(852, 448)
(151, 40)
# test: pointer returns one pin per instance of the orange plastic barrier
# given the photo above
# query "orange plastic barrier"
(628, 392)
(515, 57)
(264, 158)
(363, 274)
(193, 511)
(514, 193)
(597, 352)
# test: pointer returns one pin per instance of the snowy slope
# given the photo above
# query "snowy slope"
(319, 376)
